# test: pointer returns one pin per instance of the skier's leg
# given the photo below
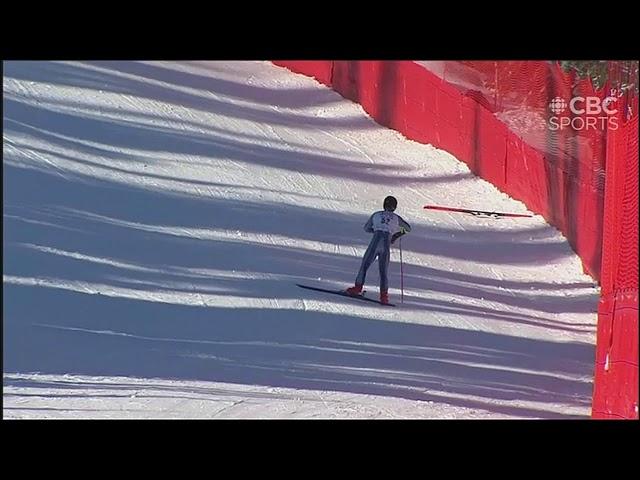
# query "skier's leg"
(369, 257)
(384, 257)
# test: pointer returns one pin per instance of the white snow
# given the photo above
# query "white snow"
(157, 216)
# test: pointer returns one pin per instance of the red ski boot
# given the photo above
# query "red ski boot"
(384, 297)
(355, 290)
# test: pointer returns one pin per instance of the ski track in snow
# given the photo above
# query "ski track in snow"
(157, 217)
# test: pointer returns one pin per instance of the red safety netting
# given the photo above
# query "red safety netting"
(620, 236)
(522, 93)
(616, 370)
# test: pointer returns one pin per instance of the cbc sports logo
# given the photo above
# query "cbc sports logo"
(600, 114)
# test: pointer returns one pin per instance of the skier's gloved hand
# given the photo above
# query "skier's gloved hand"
(397, 235)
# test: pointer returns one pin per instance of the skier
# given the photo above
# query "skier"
(386, 227)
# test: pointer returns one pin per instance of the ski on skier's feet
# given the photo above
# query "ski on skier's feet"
(345, 294)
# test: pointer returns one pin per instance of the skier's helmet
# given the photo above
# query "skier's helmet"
(390, 203)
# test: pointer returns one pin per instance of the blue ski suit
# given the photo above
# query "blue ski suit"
(386, 227)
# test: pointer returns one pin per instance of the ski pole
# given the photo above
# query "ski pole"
(401, 275)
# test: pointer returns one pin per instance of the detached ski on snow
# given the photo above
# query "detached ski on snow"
(477, 213)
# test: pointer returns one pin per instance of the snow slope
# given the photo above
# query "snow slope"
(157, 216)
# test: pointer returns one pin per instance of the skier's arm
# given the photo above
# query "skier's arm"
(404, 226)
(404, 229)
(368, 227)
